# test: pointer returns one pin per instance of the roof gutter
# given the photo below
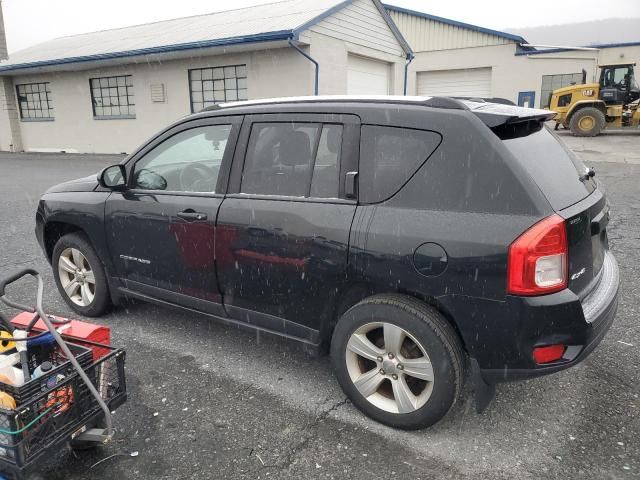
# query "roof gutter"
(587, 49)
(308, 57)
(261, 37)
(410, 57)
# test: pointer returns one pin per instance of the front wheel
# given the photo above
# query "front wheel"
(80, 276)
(587, 122)
(398, 360)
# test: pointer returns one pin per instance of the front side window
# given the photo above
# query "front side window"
(34, 101)
(293, 159)
(112, 97)
(616, 77)
(189, 161)
(209, 86)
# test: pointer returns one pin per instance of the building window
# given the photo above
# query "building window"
(209, 86)
(112, 97)
(554, 82)
(34, 101)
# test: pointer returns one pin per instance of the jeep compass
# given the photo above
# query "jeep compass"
(416, 238)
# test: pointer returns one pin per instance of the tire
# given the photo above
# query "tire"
(86, 298)
(429, 341)
(587, 122)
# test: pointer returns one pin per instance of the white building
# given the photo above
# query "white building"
(107, 91)
(454, 58)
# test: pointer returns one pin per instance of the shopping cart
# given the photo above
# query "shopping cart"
(70, 404)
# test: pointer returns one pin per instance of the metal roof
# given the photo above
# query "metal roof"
(524, 51)
(275, 21)
(454, 23)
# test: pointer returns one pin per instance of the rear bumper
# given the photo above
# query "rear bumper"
(560, 319)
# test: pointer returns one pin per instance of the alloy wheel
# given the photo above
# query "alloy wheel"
(389, 367)
(77, 277)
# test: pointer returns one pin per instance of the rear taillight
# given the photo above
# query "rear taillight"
(537, 262)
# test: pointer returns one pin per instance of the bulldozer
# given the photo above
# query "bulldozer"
(589, 108)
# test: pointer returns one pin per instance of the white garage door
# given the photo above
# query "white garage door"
(367, 77)
(471, 82)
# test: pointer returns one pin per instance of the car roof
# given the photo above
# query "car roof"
(397, 99)
(491, 113)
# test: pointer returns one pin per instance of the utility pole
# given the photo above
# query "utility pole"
(3, 37)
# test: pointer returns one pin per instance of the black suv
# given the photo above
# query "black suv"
(418, 237)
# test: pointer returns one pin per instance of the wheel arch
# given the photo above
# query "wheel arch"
(361, 291)
(599, 104)
(54, 231)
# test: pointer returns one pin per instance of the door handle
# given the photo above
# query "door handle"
(190, 214)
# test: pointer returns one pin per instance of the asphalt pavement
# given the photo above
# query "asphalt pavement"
(208, 401)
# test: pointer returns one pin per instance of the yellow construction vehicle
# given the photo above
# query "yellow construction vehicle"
(588, 108)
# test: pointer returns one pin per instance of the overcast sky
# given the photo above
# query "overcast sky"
(32, 21)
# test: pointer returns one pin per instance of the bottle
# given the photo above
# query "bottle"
(43, 369)
(8, 370)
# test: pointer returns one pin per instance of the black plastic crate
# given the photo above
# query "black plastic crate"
(56, 416)
(22, 394)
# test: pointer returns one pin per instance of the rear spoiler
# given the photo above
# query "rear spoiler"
(495, 114)
(506, 121)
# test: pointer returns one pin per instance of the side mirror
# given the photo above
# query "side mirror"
(113, 177)
(146, 179)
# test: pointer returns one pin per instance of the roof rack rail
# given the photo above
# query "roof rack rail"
(445, 102)
(501, 100)
(211, 108)
(433, 102)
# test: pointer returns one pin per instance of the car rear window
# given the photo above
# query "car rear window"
(389, 157)
(554, 167)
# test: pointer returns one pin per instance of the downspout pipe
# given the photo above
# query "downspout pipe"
(308, 57)
(410, 57)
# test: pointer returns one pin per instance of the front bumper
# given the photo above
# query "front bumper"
(558, 319)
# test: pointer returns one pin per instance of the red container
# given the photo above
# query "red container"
(76, 331)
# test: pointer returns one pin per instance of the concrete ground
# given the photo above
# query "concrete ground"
(617, 146)
(208, 401)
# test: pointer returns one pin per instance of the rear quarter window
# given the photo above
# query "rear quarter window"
(389, 157)
(554, 167)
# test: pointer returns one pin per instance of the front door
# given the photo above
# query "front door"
(161, 230)
(283, 229)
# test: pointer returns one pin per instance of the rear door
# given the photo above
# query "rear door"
(161, 230)
(283, 229)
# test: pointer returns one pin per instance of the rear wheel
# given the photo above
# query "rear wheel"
(398, 360)
(587, 122)
(80, 276)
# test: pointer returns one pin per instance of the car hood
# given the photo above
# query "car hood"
(85, 184)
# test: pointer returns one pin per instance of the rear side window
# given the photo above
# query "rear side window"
(389, 157)
(553, 167)
(293, 159)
